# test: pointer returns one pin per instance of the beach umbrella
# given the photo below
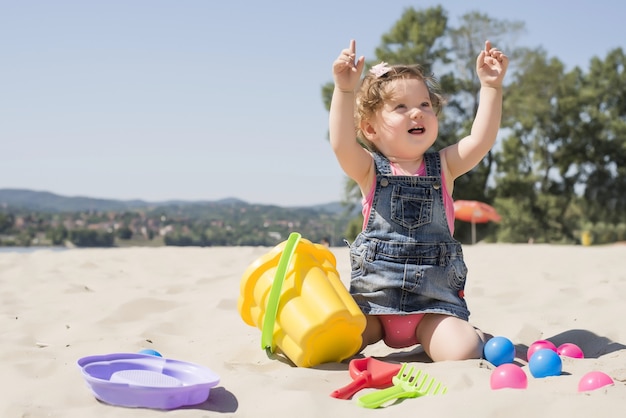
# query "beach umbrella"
(475, 212)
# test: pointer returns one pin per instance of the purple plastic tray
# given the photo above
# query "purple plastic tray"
(140, 380)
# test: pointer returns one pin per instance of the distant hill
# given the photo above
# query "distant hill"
(39, 201)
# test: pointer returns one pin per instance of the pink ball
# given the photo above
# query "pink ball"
(508, 375)
(570, 350)
(593, 381)
(539, 345)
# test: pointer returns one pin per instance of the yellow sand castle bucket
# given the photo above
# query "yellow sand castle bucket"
(294, 295)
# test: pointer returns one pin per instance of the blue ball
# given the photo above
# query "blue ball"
(545, 363)
(150, 352)
(499, 350)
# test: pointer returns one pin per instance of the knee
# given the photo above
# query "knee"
(456, 350)
(450, 339)
(467, 349)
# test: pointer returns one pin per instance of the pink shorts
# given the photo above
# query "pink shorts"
(400, 329)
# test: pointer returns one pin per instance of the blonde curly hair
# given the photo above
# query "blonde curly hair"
(374, 91)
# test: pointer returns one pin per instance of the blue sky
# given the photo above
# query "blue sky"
(203, 99)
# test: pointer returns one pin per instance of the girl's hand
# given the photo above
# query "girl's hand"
(346, 72)
(491, 66)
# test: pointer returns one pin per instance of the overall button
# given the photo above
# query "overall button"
(436, 186)
(384, 182)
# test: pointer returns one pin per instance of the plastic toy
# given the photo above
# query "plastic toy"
(141, 380)
(508, 375)
(594, 380)
(367, 372)
(544, 363)
(150, 352)
(294, 295)
(570, 350)
(499, 350)
(538, 345)
(408, 383)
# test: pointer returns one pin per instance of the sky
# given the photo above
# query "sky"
(204, 99)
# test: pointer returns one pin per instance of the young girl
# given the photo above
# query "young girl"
(408, 272)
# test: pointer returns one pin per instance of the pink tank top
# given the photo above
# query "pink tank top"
(448, 203)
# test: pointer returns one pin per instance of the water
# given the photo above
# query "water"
(26, 250)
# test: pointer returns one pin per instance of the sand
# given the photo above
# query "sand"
(59, 306)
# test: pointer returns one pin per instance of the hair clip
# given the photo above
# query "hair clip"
(380, 70)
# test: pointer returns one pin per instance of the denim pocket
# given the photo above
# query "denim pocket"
(457, 274)
(411, 207)
(357, 258)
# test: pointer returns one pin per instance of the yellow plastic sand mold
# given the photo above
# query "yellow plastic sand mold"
(293, 293)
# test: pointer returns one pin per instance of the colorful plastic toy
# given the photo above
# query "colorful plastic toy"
(544, 363)
(508, 375)
(138, 380)
(367, 372)
(409, 383)
(594, 380)
(295, 296)
(499, 350)
(150, 352)
(570, 350)
(538, 345)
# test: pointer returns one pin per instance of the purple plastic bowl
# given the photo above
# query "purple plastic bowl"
(140, 380)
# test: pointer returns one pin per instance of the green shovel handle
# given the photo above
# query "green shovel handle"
(267, 333)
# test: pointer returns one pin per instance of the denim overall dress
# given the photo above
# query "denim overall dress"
(406, 260)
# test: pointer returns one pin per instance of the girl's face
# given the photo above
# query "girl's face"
(406, 126)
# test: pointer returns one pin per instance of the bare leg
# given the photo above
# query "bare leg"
(445, 337)
(373, 331)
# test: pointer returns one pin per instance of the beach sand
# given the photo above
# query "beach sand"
(59, 306)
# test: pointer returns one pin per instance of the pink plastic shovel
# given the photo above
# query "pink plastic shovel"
(367, 372)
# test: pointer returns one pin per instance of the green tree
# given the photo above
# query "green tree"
(6, 222)
(57, 235)
(599, 134)
(525, 159)
(562, 167)
(124, 232)
(415, 38)
(466, 41)
(91, 238)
